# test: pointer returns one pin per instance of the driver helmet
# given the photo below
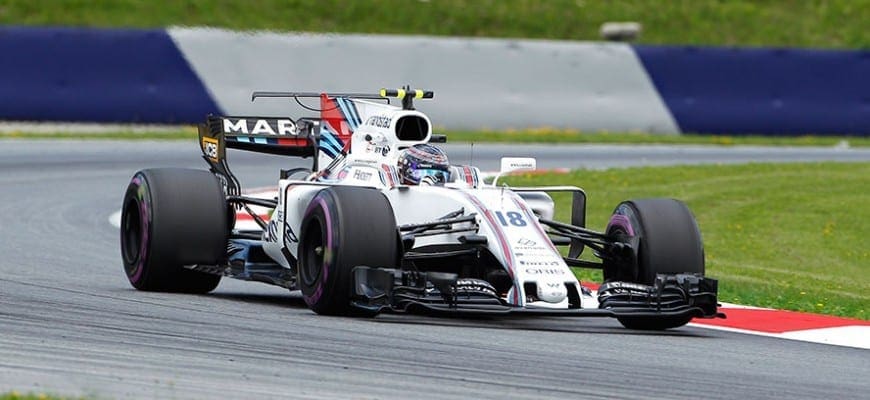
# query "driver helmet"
(423, 163)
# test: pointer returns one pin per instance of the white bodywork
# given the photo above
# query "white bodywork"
(509, 222)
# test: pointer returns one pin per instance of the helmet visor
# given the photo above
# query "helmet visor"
(441, 175)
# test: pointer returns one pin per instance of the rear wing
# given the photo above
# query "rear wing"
(281, 136)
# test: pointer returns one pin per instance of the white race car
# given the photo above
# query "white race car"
(382, 222)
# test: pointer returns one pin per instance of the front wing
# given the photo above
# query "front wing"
(435, 293)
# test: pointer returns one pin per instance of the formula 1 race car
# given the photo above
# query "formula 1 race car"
(381, 222)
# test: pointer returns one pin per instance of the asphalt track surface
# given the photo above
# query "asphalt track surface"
(71, 324)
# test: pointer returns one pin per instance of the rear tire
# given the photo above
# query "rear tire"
(173, 217)
(669, 242)
(342, 228)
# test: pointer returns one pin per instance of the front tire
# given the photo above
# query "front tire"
(669, 242)
(342, 228)
(173, 217)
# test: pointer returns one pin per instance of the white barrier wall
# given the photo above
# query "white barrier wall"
(478, 83)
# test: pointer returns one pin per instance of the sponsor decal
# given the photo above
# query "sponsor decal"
(630, 286)
(277, 127)
(362, 175)
(379, 121)
(527, 242)
(539, 263)
(528, 246)
(477, 285)
(382, 150)
(534, 253)
(524, 164)
(210, 148)
(545, 271)
(509, 164)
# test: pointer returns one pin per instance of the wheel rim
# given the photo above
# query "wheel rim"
(132, 235)
(313, 253)
(622, 223)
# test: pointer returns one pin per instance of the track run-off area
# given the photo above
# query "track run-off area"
(71, 324)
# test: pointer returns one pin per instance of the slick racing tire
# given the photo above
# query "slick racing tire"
(669, 243)
(170, 218)
(343, 227)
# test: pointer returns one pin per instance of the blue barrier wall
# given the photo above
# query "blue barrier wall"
(69, 74)
(765, 91)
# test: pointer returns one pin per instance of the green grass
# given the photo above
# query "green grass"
(788, 236)
(530, 136)
(801, 23)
